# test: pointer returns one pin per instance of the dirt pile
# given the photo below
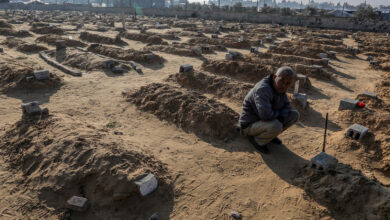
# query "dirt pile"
(239, 70)
(145, 38)
(86, 61)
(376, 117)
(174, 50)
(11, 32)
(4, 24)
(210, 83)
(60, 157)
(186, 109)
(129, 54)
(13, 76)
(47, 30)
(331, 42)
(280, 58)
(30, 48)
(83, 61)
(227, 42)
(51, 40)
(95, 38)
(346, 193)
(13, 42)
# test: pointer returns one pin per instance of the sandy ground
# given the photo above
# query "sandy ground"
(211, 178)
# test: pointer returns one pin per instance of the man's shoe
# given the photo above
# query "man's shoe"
(276, 141)
(262, 148)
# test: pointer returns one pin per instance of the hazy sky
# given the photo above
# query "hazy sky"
(353, 2)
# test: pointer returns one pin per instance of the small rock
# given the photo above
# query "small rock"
(236, 215)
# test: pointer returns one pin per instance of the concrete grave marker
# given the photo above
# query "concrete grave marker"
(77, 203)
(272, 46)
(117, 70)
(41, 74)
(108, 64)
(254, 49)
(146, 183)
(302, 98)
(324, 162)
(347, 103)
(325, 61)
(150, 56)
(323, 55)
(31, 108)
(206, 49)
(60, 44)
(370, 94)
(356, 132)
(186, 68)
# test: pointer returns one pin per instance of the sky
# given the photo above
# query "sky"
(352, 2)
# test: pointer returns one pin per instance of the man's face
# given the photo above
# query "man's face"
(282, 82)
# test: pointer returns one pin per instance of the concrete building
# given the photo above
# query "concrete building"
(140, 3)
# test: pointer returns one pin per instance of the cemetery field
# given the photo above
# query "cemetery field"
(162, 97)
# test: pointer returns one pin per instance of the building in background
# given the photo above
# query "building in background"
(139, 3)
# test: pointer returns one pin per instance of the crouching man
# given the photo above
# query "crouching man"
(266, 110)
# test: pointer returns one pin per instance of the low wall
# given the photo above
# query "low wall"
(321, 22)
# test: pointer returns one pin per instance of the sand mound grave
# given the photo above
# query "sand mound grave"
(47, 30)
(240, 70)
(288, 59)
(188, 110)
(11, 32)
(129, 54)
(96, 38)
(60, 158)
(175, 50)
(4, 24)
(209, 83)
(13, 76)
(346, 193)
(30, 48)
(145, 38)
(51, 40)
(227, 42)
(86, 60)
(13, 42)
(376, 146)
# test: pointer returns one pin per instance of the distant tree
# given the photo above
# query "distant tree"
(366, 12)
(4, 1)
(213, 6)
(286, 11)
(238, 7)
(225, 8)
(311, 11)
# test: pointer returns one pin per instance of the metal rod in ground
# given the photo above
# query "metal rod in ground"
(326, 128)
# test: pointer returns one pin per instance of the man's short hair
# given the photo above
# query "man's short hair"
(285, 70)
